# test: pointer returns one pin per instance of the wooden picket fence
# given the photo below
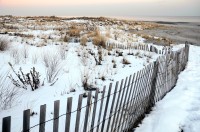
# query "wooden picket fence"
(144, 47)
(119, 107)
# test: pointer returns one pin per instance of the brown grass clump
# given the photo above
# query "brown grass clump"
(99, 41)
(66, 39)
(108, 34)
(94, 33)
(83, 40)
(74, 32)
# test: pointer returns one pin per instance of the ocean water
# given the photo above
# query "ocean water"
(154, 18)
(165, 18)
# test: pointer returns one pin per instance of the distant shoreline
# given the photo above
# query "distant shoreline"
(178, 32)
(163, 18)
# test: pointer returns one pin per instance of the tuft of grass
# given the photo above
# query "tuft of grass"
(74, 33)
(83, 40)
(100, 41)
(66, 39)
(125, 61)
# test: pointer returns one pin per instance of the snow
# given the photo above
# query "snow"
(72, 69)
(180, 108)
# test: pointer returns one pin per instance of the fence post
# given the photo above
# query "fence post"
(6, 124)
(112, 105)
(87, 112)
(78, 112)
(42, 118)
(26, 121)
(125, 104)
(56, 116)
(68, 115)
(94, 109)
(106, 107)
(153, 86)
(118, 119)
(116, 107)
(100, 110)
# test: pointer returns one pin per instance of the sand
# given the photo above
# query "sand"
(178, 32)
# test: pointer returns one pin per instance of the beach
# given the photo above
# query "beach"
(177, 32)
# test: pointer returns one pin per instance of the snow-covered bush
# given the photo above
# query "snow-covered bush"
(4, 44)
(8, 93)
(85, 80)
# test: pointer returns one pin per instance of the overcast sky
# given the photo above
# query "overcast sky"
(100, 8)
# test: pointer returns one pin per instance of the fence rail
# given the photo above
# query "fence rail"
(120, 107)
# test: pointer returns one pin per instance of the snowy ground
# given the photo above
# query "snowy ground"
(41, 39)
(179, 110)
(75, 62)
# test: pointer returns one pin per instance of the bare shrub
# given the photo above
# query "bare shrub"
(4, 44)
(52, 67)
(25, 52)
(8, 93)
(15, 54)
(34, 58)
(32, 78)
(46, 58)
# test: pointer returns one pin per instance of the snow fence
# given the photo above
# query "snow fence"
(120, 107)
